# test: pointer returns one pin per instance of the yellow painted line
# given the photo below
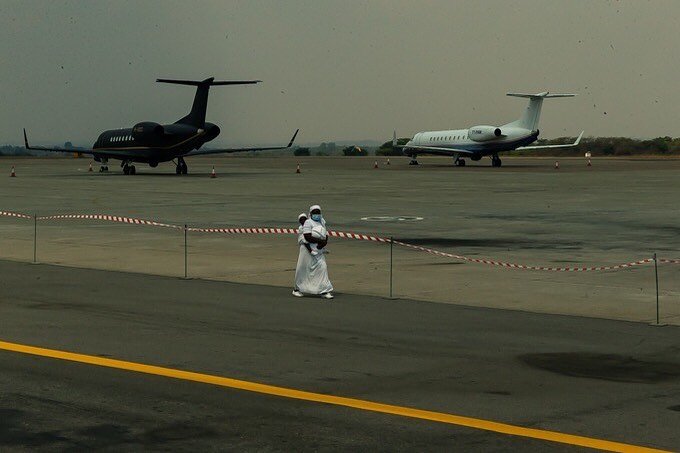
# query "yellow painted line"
(440, 417)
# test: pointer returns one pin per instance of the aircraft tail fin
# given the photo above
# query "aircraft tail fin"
(196, 116)
(532, 114)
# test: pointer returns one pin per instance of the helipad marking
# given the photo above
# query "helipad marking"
(401, 218)
(441, 417)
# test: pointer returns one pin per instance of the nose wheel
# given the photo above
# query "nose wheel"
(129, 169)
(413, 161)
(459, 162)
(496, 161)
(181, 168)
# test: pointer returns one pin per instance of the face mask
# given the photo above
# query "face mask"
(316, 217)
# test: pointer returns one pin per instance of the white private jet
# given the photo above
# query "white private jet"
(479, 141)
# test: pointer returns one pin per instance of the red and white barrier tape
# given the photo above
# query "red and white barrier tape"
(15, 214)
(267, 230)
(244, 230)
(360, 237)
(109, 218)
(339, 234)
(526, 267)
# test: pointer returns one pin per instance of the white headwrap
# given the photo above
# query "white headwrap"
(302, 215)
(316, 206)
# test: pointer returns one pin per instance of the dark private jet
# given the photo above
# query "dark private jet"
(152, 143)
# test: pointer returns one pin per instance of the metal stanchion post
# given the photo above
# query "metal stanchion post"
(391, 255)
(656, 275)
(35, 238)
(185, 251)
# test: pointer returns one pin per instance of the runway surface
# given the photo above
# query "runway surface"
(602, 379)
(526, 212)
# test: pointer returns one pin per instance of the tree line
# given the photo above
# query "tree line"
(596, 146)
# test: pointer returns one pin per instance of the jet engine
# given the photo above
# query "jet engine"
(484, 133)
(211, 131)
(147, 129)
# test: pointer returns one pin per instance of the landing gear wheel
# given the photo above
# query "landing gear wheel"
(181, 168)
(460, 162)
(496, 161)
(133, 170)
(413, 162)
(126, 169)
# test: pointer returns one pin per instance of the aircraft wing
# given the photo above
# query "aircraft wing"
(200, 152)
(57, 150)
(436, 150)
(568, 145)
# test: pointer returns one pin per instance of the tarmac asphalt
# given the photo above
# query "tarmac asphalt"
(603, 379)
(526, 212)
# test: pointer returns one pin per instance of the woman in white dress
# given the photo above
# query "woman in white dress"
(311, 273)
(303, 261)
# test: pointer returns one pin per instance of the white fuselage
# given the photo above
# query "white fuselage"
(479, 141)
(476, 141)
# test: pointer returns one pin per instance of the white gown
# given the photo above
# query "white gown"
(311, 272)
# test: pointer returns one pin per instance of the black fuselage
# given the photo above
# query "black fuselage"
(152, 143)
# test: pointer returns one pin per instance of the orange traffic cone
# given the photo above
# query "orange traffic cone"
(212, 173)
(376, 164)
(388, 161)
(90, 169)
(557, 165)
(298, 169)
(589, 163)
(13, 174)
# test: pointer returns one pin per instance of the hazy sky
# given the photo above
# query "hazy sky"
(338, 69)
